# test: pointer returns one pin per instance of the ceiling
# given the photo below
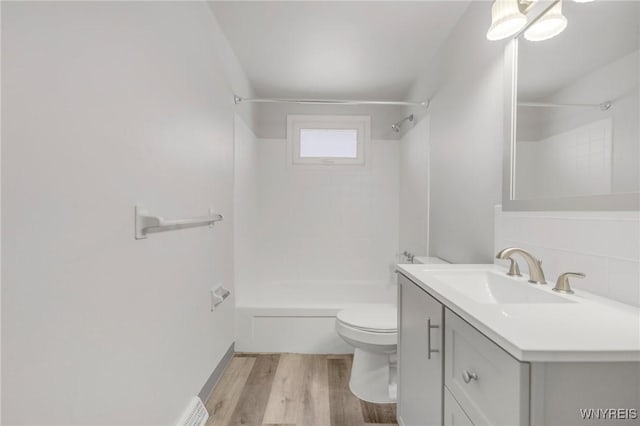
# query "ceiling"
(336, 49)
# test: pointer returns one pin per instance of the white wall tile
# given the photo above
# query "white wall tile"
(594, 267)
(603, 245)
(623, 239)
(328, 225)
(624, 281)
(579, 235)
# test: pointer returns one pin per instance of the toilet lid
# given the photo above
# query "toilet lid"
(381, 318)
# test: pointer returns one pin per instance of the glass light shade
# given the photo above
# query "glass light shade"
(506, 19)
(550, 25)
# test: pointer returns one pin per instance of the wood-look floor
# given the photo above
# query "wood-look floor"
(292, 390)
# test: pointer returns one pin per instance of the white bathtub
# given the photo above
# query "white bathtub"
(299, 317)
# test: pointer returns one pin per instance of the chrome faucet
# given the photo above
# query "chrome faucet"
(536, 275)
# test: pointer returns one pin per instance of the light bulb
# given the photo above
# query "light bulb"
(506, 19)
(550, 25)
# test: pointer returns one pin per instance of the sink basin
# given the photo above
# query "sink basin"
(487, 287)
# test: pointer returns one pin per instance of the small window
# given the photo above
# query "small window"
(327, 140)
(329, 143)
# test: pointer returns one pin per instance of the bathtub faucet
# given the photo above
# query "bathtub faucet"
(409, 256)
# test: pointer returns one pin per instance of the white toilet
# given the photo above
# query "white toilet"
(373, 330)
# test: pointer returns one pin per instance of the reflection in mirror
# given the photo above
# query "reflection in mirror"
(577, 114)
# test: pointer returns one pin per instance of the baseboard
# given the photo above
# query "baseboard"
(211, 382)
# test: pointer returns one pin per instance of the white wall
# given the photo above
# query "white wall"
(465, 139)
(245, 206)
(604, 245)
(414, 189)
(105, 105)
(334, 224)
(234, 74)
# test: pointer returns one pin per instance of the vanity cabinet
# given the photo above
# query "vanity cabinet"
(454, 375)
(420, 330)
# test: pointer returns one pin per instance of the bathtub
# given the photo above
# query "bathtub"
(300, 316)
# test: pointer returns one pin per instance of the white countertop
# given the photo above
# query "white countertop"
(592, 329)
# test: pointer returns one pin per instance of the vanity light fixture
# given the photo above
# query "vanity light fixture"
(549, 25)
(506, 19)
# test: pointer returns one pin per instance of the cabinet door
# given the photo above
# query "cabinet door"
(454, 415)
(419, 356)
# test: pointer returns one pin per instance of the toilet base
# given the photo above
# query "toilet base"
(374, 377)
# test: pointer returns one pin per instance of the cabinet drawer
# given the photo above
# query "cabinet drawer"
(454, 415)
(491, 386)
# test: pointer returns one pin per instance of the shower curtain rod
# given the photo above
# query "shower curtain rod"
(604, 106)
(238, 99)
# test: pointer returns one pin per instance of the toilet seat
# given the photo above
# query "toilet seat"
(373, 318)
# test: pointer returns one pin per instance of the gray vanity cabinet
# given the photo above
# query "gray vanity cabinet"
(451, 374)
(420, 356)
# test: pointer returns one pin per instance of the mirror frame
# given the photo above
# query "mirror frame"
(629, 201)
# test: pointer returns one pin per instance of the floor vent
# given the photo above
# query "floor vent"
(195, 415)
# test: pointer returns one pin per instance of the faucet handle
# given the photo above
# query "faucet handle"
(562, 284)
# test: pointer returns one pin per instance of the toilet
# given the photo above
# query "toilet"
(372, 330)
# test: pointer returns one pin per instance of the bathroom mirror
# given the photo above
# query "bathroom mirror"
(572, 137)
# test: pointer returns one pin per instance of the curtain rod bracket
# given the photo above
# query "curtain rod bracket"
(605, 105)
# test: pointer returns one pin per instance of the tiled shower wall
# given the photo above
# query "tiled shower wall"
(603, 245)
(337, 224)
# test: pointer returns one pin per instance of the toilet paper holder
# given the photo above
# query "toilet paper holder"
(218, 294)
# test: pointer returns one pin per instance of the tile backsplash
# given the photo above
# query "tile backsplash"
(603, 245)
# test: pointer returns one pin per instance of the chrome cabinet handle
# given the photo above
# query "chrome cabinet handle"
(429, 327)
(468, 376)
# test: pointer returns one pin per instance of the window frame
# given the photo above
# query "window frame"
(295, 123)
